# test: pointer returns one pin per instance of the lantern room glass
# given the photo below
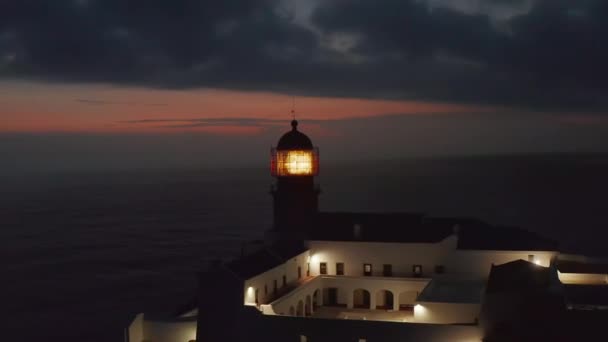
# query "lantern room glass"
(294, 162)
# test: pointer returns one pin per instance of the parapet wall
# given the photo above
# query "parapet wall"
(283, 328)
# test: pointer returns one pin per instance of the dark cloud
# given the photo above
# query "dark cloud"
(545, 58)
(551, 57)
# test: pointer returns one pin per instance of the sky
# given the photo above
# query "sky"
(115, 83)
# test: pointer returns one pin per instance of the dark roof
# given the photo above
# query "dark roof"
(294, 139)
(587, 294)
(288, 249)
(487, 237)
(255, 263)
(377, 227)
(567, 266)
(416, 228)
(264, 259)
(518, 276)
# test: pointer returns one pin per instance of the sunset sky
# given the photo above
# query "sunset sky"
(116, 82)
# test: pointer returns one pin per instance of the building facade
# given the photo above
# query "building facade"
(323, 276)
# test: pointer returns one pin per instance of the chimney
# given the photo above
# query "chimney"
(357, 231)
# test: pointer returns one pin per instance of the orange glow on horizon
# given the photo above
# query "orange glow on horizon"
(37, 107)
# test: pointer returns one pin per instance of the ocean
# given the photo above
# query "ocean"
(83, 252)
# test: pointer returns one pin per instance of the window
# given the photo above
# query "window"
(417, 270)
(340, 268)
(439, 269)
(323, 268)
(387, 270)
(308, 269)
(284, 281)
(299, 272)
(274, 289)
(367, 269)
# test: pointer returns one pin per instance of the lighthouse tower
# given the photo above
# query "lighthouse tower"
(294, 164)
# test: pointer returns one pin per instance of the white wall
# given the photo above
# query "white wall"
(582, 279)
(446, 313)
(402, 256)
(477, 263)
(289, 269)
(346, 287)
(135, 331)
(283, 304)
(285, 328)
(169, 331)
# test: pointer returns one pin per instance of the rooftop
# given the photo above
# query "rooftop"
(452, 291)
(377, 227)
(518, 276)
(568, 266)
(294, 139)
(487, 237)
(265, 258)
(417, 228)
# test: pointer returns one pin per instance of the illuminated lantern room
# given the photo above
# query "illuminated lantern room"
(294, 155)
(294, 163)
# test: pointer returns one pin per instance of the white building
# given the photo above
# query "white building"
(381, 277)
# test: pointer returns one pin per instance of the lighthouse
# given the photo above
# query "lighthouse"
(294, 163)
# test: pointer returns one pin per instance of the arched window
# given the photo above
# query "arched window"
(384, 300)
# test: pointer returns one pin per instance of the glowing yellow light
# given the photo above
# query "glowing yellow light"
(419, 310)
(250, 296)
(294, 162)
(297, 162)
(537, 261)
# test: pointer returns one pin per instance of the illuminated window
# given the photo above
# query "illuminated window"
(367, 269)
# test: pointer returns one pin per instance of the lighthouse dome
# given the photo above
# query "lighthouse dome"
(294, 139)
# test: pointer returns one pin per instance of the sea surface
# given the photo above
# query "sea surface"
(83, 252)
